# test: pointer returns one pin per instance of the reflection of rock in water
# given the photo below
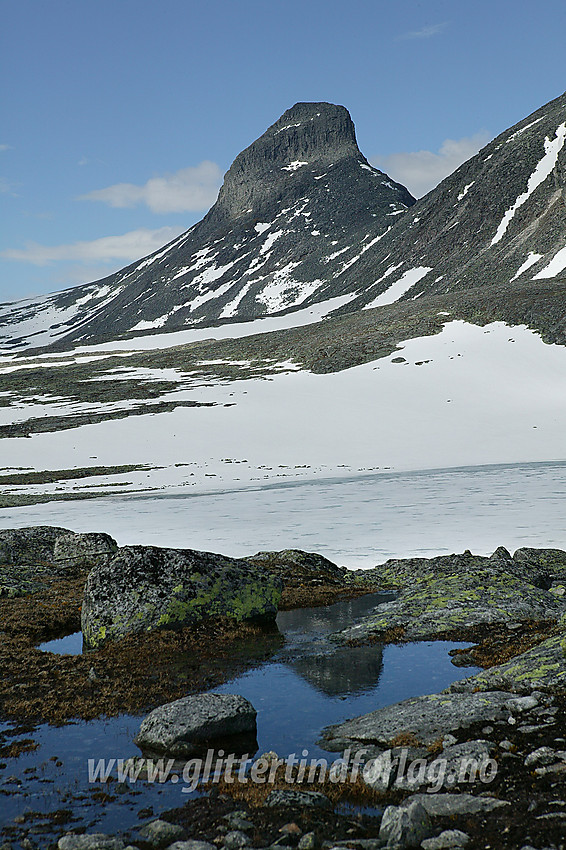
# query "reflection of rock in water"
(349, 670)
(330, 618)
(334, 671)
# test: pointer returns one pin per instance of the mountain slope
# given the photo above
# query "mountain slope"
(296, 212)
(500, 218)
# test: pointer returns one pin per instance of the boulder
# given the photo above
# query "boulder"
(83, 551)
(161, 833)
(32, 545)
(450, 838)
(428, 718)
(405, 826)
(26, 559)
(449, 805)
(189, 726)
(297, 568)
(452, 594)
(552, 561)
(145, 587)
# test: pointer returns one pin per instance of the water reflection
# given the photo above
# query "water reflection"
(332, 670)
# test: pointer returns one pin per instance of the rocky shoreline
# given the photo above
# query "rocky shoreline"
(482, 764)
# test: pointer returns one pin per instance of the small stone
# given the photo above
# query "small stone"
(291, 829)
(542, 756)
(405, 826)
(520, 704)
(506, 745)
(308, 841)
(160, 833)
(94, 841)
(192, 844)
(487, 730)
(238, 820)
(301, 799)
(450, 838)
(235, 839)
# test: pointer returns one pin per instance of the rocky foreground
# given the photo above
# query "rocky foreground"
(482, 764)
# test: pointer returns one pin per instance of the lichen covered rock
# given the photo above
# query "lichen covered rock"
(542, 668)
(427, 719)
(298, 568)
(83, 551)
(145, 587)
(32, 545)
(456, 593)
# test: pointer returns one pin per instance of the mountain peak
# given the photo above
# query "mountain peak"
(307, 134)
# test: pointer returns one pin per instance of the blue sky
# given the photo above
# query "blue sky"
(119, 118)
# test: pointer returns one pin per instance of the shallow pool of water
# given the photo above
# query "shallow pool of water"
(310, 683)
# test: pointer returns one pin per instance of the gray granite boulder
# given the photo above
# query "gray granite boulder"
(449, 805)
(145, 587)
(189, 726)
(83, 551)
(161, 833)
(26, 559)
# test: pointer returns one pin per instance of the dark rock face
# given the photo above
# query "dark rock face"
(306, 133)
(145, 587)
(297, 210)
(190, 725)
(489, 223)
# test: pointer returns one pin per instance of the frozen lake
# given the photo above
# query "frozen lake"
(357, 522)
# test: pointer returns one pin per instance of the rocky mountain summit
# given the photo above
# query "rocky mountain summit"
(297, 210)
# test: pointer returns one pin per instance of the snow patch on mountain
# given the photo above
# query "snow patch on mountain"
(397, 289)
(556, 266)
(542, 171)
(530, 261)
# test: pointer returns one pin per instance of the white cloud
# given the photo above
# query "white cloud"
(130, 246)
(188, 190)
(5, 148)
(425, 32)
(421, 171)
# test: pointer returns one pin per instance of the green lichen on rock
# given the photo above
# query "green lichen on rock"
(145, 587)
(541, 668)
(455, 593)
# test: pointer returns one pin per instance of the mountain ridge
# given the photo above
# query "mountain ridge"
(302, 219)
